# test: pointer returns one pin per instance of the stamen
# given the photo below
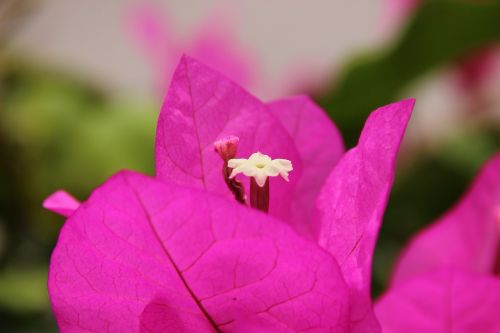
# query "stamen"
(226, 148)
(259, 167)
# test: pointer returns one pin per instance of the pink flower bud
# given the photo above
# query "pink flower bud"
(227, 147)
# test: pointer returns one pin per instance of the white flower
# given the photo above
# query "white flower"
(260, 166)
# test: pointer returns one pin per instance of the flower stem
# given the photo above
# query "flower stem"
(234, 185)
(259, 196)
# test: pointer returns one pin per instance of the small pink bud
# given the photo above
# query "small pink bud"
(227, 147)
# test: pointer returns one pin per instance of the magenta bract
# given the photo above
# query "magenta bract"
(179, 254)
(141, 254)
(447, 300)
(466, 237)
(214, 43)
(203, 106)
(447, 277)
(352, 203)
(320, 147)
(61, 203)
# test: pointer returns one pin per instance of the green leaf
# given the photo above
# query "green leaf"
(24, 290)
(440, 32)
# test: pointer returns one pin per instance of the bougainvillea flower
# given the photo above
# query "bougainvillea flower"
(213, 43)
(447, 277)
(183, 252)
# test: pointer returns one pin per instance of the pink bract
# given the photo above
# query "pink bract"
(61, 203)
(213, 43)
(202, 106)
(446, 277)
(352, 203)
(137, 257)
(447, 300)
(466, 237)
(178, 254)
(320, 147)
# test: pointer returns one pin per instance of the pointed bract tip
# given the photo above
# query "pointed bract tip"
(187, 60)
(408, 104)
(61, 203)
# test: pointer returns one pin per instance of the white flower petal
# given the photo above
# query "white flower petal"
(283, 164)
(271, 170)
(260, 178)
(236, 162)
(260, 166)
(284, 175)
(249, 170)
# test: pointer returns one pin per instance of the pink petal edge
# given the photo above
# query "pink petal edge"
(61, 203)
(352, 203)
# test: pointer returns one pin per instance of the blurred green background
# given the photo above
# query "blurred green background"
(60, 130)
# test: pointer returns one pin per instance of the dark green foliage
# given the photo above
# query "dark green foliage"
(439, 34)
